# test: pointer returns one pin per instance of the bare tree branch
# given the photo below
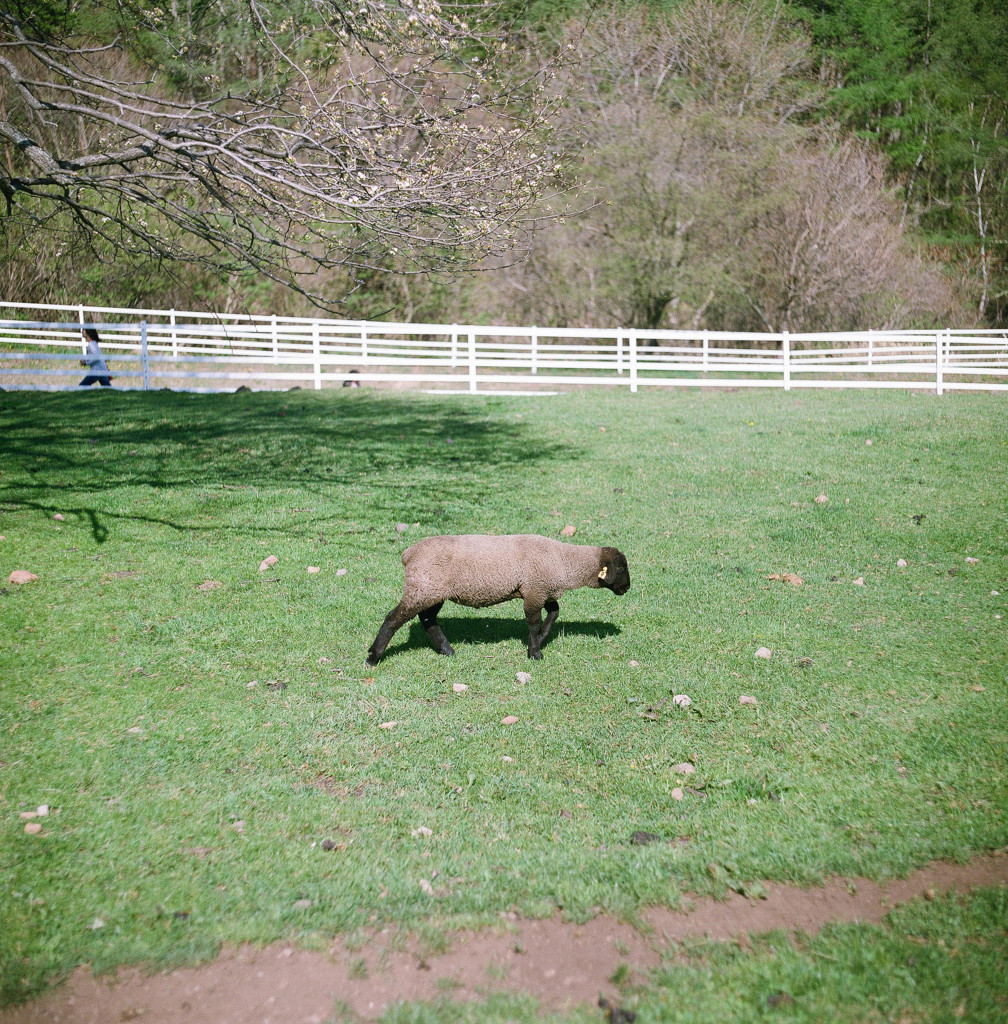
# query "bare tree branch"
(372, 130)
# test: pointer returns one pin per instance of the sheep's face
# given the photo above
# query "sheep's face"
(615, 573)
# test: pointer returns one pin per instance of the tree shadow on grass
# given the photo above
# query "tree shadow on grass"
(385, 453)
(463, 630)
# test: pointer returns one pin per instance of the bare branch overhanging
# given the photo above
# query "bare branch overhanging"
(369, 131)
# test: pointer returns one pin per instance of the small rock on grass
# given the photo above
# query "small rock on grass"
(901, 563)
(267, 562)
(681, 700)
(302, 904)
(859, 582)
(387, 725)
(523, 677)
(422, 830)
(821, 499)
(33, 828)
(426, 886)
(764, 652)
(684, 768)
(745, 699)
(509, 720)
(22, 576)
(341, 572)
(459, 687)
(677, 793)
(313, 569)
(209, 585)
(568, 531)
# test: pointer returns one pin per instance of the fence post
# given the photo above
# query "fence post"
(274, 338)
(633, 361)
(363, 343)
(144, 359)
(454, 345)
(472, 362)
(786, 348)
(706, 350)
(939, 389)
(871, 347)
(174, 335)
(316, 355)
(534, 342)
(83, 343)
(619, 351)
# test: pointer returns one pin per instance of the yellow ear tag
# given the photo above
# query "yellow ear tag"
(602, 574)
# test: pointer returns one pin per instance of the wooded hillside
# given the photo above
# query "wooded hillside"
(735, 164)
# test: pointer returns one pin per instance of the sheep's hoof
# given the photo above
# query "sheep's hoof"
(535, 655)
(370, 662)
(447, 651)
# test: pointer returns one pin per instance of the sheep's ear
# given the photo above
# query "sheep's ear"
(604, 572)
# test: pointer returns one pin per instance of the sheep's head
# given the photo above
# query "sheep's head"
(614, 573)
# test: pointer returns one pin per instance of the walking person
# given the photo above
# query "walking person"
(98, 371)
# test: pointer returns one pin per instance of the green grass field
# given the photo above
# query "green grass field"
(196, 747)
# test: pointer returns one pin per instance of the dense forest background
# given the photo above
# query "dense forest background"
(730, 164)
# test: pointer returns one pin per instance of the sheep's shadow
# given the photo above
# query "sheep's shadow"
(462, 630)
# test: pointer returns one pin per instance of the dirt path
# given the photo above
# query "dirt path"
(559, 963)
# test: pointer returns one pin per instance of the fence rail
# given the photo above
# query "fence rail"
(41, 346)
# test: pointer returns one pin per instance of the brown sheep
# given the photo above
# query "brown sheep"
(478, 571)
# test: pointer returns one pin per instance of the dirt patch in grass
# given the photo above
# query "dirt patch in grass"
(560, 963)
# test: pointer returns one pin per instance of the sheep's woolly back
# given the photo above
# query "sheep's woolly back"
(478, 570)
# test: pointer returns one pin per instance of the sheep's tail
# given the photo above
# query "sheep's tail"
(409, 553)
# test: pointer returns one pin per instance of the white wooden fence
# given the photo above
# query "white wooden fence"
(40, 348)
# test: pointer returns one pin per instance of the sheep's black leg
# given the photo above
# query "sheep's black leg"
(399, 615)
(552, 611)
(533, 616)
(428, 619)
